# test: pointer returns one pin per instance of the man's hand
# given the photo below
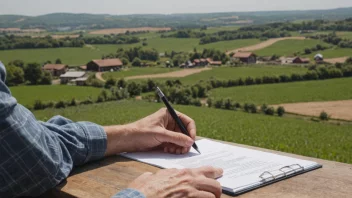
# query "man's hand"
(157, 131)
(195, 183)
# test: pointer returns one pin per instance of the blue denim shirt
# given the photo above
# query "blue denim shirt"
(36, 156)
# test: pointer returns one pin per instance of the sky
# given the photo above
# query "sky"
(121, 7)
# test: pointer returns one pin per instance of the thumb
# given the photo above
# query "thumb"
(176, 138)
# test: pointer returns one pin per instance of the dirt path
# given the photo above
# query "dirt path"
(175, 74)
(99, 76)
(336, 109)
(264, 44)
(336, 60)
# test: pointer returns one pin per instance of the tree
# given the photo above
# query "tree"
(15, 75)
(281, 111)
(46, 79)
(58, 61)
(125, 61)
(17, 63)
(136, 62)
(307, 51)
(33, 73)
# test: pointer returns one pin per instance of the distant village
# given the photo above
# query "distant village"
(79, 76)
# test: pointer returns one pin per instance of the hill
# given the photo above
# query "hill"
(95, 21)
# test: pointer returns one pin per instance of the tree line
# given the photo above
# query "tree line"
(31, 74)
(333, 39)
(134, 55)
(8, 42)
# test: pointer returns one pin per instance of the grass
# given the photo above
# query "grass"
(289, 47)
(226, 73)
(333, 53)
(138, 71)
(308, 91)
(27, 95)
(320, 140)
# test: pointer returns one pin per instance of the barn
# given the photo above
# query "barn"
(105, 65)
(245, 57)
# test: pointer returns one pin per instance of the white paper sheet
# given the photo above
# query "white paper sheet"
(242, 167)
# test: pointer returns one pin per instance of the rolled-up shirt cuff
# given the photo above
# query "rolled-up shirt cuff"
(129, 193)
(96, 140)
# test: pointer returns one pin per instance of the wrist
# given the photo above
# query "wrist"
(120, 139)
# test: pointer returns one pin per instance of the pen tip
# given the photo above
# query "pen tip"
(198, 151)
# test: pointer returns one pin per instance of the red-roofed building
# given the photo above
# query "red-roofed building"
(245, 57)
(299, 60)
(105, 65)
(55, 69)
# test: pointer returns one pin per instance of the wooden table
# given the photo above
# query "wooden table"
(107, 177)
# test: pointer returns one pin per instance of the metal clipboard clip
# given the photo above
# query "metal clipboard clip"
(270, 176)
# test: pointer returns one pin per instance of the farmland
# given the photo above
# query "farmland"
(322, 90)
(226, 73)
(27, 95)
(289, 47)
(138, 72)
(335, 52)
(321, 140)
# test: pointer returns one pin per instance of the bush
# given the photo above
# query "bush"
(136, 62)
(196, 102)
(253, 108)
(296, 77)
(97, 83)
(38, 105)
(219, 104)
(100, 99)
(281, 111)
(121, 83)
(210, 102)
(249, 81)
(110, 83)
(228, 104)
(104, 95)
(270, 111)
(60, 104)
(134, 89)
(237, 105)
(347, 71)
(335, 73)
(246, 107)
(311, 75)
(324, 116)
(263, 108)
(284, 78)
(87, 101)
(258, 81)
(73, 102)
(50, 104)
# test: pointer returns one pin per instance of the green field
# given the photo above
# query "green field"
(289, 47)
(334, 53)
(226, 73)
(308, 91)
(138, 71)
(27, 95)
(321, 140)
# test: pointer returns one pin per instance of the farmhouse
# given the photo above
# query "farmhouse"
(200, 62)
(299, 60)
(214, 63)
(80, 81)
(55, 69)
(319, 58)
(245, 57)
(105, 65)
(68, 76)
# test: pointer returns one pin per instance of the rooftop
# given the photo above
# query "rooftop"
(108, 62)
(243, 54)
(73, 74)
(54, 66)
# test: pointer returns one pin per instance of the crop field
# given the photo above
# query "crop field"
(289, 47)
(124, 30)
(226, 73)
(346, 35)
(138, 71)
(27, 95)
(321, 140)
(308, 91)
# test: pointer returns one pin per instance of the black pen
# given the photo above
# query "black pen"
(175, 116)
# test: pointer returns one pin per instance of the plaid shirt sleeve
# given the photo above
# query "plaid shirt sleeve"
(129, 193)
(36, 156)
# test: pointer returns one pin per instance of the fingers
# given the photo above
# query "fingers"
(189, 123)
(203, 194)
(178, 139)
(209, 185)
(210, 172)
